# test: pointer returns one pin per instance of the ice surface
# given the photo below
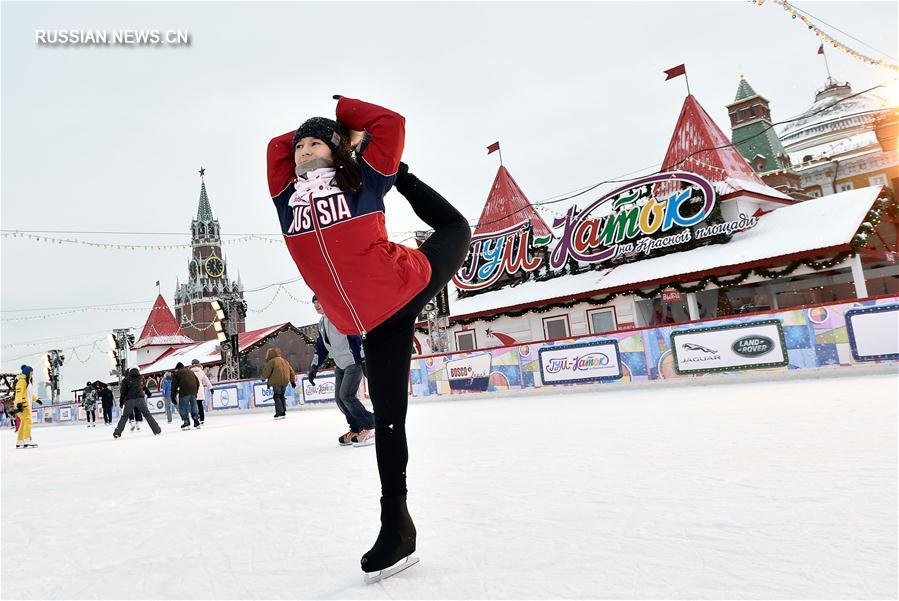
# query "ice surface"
(762, 490)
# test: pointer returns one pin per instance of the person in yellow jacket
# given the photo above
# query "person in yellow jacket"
(24, 397)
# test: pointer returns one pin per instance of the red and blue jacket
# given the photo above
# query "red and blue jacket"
(338, 240)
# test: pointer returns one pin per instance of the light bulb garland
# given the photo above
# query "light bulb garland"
(137, 247)
(827, 39)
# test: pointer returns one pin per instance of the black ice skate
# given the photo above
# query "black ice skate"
(392, 551)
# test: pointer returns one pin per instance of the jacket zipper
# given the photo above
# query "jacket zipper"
(333, 269)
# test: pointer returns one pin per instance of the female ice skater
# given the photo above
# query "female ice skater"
(330, 204)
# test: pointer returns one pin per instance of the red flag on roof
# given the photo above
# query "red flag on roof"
(493, 148)
(675, 71)
(821, 48)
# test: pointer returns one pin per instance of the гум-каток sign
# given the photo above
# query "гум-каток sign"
(631, 221)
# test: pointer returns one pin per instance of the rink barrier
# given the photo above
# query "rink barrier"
(825, 336)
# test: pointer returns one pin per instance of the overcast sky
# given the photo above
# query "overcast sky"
(111, 138)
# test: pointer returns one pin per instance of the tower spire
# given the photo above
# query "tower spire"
(204, 211)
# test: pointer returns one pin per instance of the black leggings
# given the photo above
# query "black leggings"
(388, 347)
(91, 415)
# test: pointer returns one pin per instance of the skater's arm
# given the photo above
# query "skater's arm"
(321, 353)
(281, 163)
(387, 129)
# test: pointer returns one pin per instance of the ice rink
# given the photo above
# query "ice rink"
(754, 490)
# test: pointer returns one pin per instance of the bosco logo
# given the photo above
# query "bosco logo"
(460, 372)
(753, 346)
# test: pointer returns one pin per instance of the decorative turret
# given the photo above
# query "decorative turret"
(752, 131)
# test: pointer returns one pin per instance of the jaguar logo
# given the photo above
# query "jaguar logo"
(689, 346)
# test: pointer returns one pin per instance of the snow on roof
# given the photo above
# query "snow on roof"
(161, 328)
(207, 352)
(867, 139)
(804, 227)
(732, 184)
(833, 107)
(507, 206)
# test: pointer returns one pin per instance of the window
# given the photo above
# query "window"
(844, 187)
(878, 180)
(602, 320)
(555, 327)
(466, 341)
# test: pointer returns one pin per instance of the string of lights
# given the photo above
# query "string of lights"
(277, 238)
(72, 312)
(55, 339)
(825, 38)
(71, 349)
(94, 348)
(141, 302)
(835, 28)
(138, 247)
(274, 297)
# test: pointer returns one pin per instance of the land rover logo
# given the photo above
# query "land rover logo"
(753, 346)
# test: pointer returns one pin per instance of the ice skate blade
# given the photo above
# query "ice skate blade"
(394, 569)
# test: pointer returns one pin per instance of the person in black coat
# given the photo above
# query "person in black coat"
(132, 394)
(107, 398)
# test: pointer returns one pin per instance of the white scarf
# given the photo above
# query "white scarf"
(318, 183)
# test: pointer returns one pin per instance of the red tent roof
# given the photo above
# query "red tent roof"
(507, 206)
(248, 339)
(208, 352)
(161, 327)
(695, 131)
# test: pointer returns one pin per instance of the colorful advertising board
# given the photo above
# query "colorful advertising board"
(595, 361)
(469, 373)
(320, 392)
(225, 397)
(263, 395)
(874, 332)
(156, 404)
(753, 345)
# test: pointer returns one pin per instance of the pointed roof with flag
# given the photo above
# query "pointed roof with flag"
(507, 206)
(162, 328)
(698, 145)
